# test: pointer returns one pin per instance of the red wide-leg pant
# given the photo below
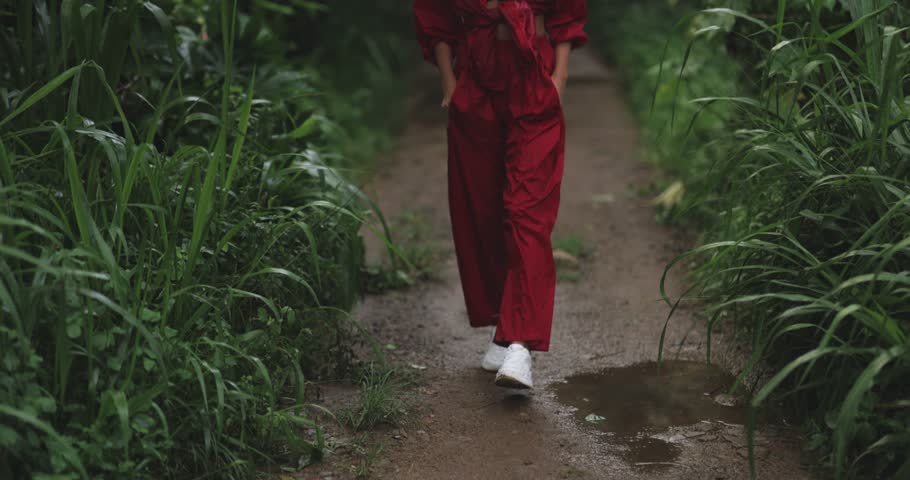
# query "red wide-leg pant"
(506, 148)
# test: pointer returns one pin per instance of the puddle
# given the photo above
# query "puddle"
(633, 404)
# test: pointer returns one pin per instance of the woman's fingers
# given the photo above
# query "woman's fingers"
(560, 83)
(447, 99)
(448, 89)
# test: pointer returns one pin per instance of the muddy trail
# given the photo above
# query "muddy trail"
(599, 410)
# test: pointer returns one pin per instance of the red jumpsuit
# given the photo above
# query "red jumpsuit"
(506, 147)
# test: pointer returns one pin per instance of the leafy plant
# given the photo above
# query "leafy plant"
(803, 195)
(178, 249)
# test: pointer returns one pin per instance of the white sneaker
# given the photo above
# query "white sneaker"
(516, 368)
(494, 357)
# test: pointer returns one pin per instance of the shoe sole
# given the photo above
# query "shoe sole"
(490, 368)
(506, 381)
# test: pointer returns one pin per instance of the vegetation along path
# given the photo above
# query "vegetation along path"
(589, 417)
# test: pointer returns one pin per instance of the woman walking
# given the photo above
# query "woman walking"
(504, 66)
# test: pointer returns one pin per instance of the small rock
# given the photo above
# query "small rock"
(595, 419)
(603, 198)
(725, 400)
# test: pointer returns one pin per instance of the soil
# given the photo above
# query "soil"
(610, 316)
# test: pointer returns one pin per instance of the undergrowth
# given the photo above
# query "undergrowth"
(180, 237)
(802, 188)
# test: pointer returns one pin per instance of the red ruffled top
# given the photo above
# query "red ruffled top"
(444, 20)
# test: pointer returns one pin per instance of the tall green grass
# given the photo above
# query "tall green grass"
(658, 88)
(805, 202)
(177, 251)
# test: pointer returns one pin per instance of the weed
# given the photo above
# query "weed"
(416, 256)
(380, 396)
(569, 251)
(369, 452)
(572, 244)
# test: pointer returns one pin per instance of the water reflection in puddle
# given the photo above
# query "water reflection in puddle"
(635, 403)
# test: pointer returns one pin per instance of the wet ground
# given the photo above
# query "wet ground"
(636, 405)
(600, 411)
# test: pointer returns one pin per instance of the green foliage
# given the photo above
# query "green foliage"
(678, 138)
(572, 244)
(416, 255)
(568, 252)
(380, 402)
(178, 247)
(805, 201)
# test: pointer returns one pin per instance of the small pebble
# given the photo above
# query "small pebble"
(725, 400)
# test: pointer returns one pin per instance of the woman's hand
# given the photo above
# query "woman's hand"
(447, 72)
(561, 67)
(559, 81)
(448, 89)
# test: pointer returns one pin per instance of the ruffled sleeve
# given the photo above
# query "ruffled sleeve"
(436, 22)
(566, 22)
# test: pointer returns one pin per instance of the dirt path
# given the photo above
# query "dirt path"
(464, 426)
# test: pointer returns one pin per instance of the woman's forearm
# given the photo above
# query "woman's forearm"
(444, 60)
(561, 68)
